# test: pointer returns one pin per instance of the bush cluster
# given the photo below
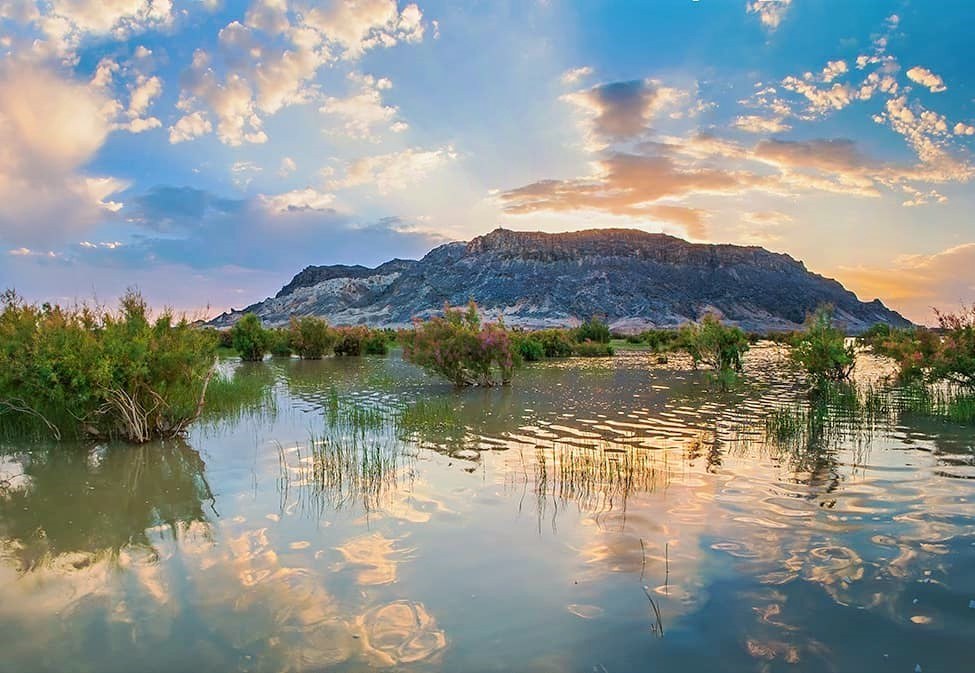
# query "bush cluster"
(823, 350)
(93, 372)
(309, 338)
(458, 347)
(711, 342)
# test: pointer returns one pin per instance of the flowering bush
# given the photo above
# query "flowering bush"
(461, 349)
(954, 358)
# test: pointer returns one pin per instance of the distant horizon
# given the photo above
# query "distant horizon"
(206, 150)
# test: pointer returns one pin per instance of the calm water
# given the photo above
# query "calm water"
(598, 516)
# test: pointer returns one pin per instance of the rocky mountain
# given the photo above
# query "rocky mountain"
(632, 278)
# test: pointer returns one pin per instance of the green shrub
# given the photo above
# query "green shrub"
(250, 339)
(592, 349)
(593, 329)
(954, 358)
(281, 343)
(556, 343)
(350, 340)
(529, 348)
(376, 343)
(311, 337)
(459, 348)
(92, 372)
(715, 344)
(660, 340)
(822, 349)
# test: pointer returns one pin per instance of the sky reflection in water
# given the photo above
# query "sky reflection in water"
(521, 529)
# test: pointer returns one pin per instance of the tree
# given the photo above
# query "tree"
(715, 344)
(822, 349)
(311, 337)
(250, 339)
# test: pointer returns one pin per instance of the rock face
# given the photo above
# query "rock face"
(633, 279)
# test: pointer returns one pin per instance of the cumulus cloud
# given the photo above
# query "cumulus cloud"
(190, 126)
(926, 78)
(770, 12)
(297, 200)
(396, 170)
(288, 166)
(363, 113)
(272, 59)
(50, 127)
(914, 284)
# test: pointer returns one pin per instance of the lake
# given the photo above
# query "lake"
(602, 515)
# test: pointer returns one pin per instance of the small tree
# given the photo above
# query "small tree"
(459, 348)
(351, 340)
(311, 337)
(715, 344)
(250, 339)
(594, 330)
(954, 359)
(281, 343)
(556, 343)
(822, 349)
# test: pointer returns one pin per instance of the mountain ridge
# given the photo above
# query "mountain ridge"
(633, 278)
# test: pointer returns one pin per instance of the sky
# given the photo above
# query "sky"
(204, 151)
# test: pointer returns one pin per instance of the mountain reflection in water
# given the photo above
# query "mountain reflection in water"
(596, 515)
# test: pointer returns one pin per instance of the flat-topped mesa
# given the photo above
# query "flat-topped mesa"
(532, 279)
(630, 243)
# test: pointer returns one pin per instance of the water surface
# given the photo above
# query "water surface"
(601, 515)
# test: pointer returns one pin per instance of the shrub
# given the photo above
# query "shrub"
(310, 337)
(556, 343)
(376, 343)
(715, 344)
(459, 348)
(250, 339)
(954, 358)
(529, 348)
(350, 340)
(281, 343)
(911, 348)
(592, 349)
(593, 329)
(660, 339)
(102, 374)
(822, 349)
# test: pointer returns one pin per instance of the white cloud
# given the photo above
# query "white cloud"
(50, 127)
(574, 75)
(298, 200)
(394, 171)
(771, 12)
(926, 78)
(833, 70)
(190, 126)
(963, 129)
(288, 166)
(757, 124)
(363, 113)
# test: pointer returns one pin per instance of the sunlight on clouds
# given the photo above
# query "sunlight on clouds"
(914, 284)
(771, 12)
(363, 113)
(394, 171)
(926, 78)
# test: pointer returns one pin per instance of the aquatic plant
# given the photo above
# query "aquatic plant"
(714, 344)
(250, 339)
(458, 347)
(311, 337)
(89, 371)
(822, 349)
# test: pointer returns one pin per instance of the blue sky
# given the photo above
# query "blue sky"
(206, 150)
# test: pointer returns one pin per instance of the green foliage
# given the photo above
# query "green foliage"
(311, 338)
(351, 340)
(250, 339)
(954, 358)
(529, 348)
(459, 348)
(592, 349)
(715, 344)
(822, 349)
(281, 343)
(93, 372)
(912, 348)
(376, 342)
(594, 330)
(660, 340)
(556, 343)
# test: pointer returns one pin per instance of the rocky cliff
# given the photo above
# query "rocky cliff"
(632, 278)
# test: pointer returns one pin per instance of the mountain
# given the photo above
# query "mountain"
(632, 278)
